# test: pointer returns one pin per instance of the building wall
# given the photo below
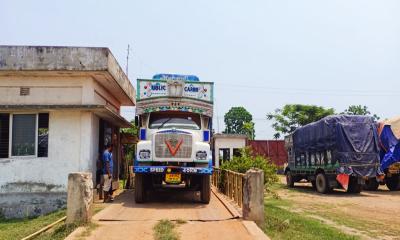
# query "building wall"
(30, 185)
(48, 90)
(272, 149)
(226, 142)
(44, 90)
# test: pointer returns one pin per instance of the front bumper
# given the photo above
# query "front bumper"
(174, 169)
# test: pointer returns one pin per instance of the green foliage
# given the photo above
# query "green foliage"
(132, 130)
(129, 148)
(359, 110)
(239, 121)
(292, 116)
(247, 161)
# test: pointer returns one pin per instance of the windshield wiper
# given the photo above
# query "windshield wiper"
(162, 124)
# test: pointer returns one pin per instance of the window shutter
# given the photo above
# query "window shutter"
(4, 135)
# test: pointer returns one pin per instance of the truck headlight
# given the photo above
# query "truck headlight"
(201, 155)
(144, 154)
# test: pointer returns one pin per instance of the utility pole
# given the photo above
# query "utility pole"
(127, 62)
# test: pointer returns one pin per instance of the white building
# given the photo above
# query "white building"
(59, 107)
(225, 146)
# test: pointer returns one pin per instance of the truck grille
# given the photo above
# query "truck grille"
(162, 150)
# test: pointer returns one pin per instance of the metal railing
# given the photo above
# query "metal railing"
(229, 183)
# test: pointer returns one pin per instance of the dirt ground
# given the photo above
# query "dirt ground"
(369, 215)
(124, 219)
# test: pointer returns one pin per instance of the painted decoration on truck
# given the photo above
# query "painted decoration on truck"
(165, 76)
(175, 88)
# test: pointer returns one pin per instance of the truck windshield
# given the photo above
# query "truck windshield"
(180, 121)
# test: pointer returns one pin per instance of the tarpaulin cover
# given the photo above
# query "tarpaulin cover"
(352, 140)
(389, 132)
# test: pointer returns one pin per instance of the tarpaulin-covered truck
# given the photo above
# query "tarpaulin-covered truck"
(174, 116)
(337, 151)
(389, 142)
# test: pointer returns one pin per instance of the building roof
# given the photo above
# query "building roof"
(101, 110)
(96, 62)
(226, 135)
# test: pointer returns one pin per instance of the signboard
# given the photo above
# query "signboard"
(147, 89)
(164, 76)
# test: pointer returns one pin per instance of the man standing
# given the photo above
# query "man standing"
(107, 172)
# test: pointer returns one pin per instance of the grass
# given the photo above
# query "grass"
(165, 230)
(60, 232)
(20, 228)
(333, 213)
(283, 224)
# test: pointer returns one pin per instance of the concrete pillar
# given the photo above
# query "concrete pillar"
(80, 197)
(253, 196)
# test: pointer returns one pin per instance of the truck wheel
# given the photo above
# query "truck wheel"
(140, 190)
(313, 184)
(393, 182)
(322, 183)
(205, 189)
(371, 185)
(354, 186)
(289, 179)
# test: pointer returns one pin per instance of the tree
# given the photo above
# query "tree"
(292, 116)
(239, 121)
(359, 110)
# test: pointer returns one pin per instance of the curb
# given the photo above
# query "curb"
(251, 227)
(254, 230)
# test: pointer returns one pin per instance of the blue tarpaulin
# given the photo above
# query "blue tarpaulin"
(352, 140)
(390, 147)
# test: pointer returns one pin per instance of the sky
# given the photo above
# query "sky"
(260, 54)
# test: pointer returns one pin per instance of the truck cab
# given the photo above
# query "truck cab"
(174, 119)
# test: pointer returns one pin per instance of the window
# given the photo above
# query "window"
(225, 154)
(43, 135)
(4, 134)
(23, 135)
(185, 120)
(237, 152)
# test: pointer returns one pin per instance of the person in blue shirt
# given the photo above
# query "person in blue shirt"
(107, 172)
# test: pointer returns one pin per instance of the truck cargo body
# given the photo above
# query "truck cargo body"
(174, 117)
(336, 151)
(389, 142)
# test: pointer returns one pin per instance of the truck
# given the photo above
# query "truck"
(338, 151)
(174, 116)
(389, 143)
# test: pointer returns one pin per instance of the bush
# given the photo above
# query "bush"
(247, 161)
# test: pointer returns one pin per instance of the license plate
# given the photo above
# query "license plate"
(173, 178)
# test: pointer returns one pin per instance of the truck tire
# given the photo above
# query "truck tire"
(313, 184)
(354, 186)
(393, 182)
(140, 190)
(289, 179)
(371, 185)
(322, 183)
(205, 189)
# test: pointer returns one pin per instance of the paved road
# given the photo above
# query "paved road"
(124, 219)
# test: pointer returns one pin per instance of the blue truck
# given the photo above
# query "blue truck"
(339, 151)
(389, 143)
(174, 117)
